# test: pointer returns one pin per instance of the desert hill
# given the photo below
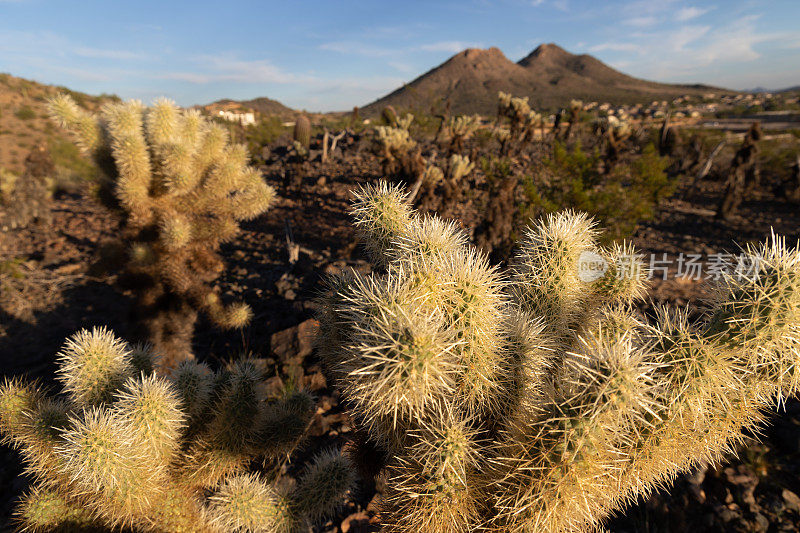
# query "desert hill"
(25, 125)
(550, 76)
(263, 105)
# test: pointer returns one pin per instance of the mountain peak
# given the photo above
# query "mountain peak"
(547, 52)
(469, 81)
(475, 53)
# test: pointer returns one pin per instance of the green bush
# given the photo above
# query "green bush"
(619, 199)
(72, 168)
(25, 113)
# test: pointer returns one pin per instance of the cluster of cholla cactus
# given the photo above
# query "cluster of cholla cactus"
(400, 156)
(615, 130)
(458, 167)
(125, 448)
(523, 121)
(461, 128)
(183, 189)
(537, 400)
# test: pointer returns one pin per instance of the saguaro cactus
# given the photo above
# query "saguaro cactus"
(302, 131)
(124, 447)
(537, 400)
(183, 188)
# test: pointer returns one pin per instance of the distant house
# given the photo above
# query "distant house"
(245, 119)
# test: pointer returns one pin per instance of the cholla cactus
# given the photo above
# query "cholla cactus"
(575, 108)
(459, 166)
(400, 156)
(405, 122)
(460, 129)
(394, 141)
(428, 183)
(537, 400)
(183, 189)
(126, 448)
(523, 119)
(615, 130)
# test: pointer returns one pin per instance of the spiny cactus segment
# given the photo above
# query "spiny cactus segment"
(126, 448)
(538, 400)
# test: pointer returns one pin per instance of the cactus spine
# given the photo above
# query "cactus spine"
(537, 400)
(127, 448)
(183, 189)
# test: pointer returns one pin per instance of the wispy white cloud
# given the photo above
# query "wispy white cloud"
(691, 12)
(687, 52)
(103, 53)
(615, 47)
(452, 47)
(229, 68)
(364, 49)
(357, 49)
(561, 5)
(640, 21)
(401, 67)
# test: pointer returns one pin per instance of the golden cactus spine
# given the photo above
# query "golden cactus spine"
(537, 400)
(127, 448)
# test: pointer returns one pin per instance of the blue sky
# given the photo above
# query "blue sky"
(333, 55)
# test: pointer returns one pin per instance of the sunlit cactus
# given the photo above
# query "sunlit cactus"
(394, 141)
(575, 108)
(404, 122)
(460, 129)
(400, 156)
(302, 131)
(523, 120)
(183, 189)
(163, 454)
(537, 400)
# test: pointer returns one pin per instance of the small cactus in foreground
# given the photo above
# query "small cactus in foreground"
(183, 189)
(123, 447)
(537, 400)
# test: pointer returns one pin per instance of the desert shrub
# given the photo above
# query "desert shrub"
(537, 400)
(182, 188)
(71, 167)
(619, 199)
(25, 113)
(264, 132)
(122, 447)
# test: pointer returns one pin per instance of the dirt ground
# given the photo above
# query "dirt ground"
(756, 491)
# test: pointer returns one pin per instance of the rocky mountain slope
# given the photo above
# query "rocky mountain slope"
(550, 76)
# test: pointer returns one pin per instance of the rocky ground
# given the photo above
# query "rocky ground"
(754, 491)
